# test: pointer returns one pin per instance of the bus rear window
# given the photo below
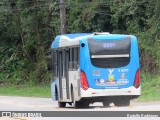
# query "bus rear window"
(110, 53)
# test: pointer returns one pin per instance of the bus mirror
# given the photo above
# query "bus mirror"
(82, 45)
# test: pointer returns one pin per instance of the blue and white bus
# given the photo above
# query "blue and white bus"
(95, 67)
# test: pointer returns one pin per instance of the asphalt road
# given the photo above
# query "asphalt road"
(10, 103)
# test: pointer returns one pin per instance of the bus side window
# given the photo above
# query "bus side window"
(70, 58)
(75, 59)
(60, 63)
(63, 63)
(66, 61)
(54, 64)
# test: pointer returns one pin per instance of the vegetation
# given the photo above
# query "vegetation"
(27, 28)
(150, 87)
(26, 90)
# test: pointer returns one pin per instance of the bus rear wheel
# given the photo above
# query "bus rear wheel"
(61, 104)
(76, 104)
(85, 105)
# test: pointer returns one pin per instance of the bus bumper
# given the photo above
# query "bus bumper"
(131, 91)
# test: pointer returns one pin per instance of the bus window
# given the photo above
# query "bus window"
(70, 59)
(110, 54)
(66, 62)
(63, 63)
(67, 73)
(74, 58)
(52, 67)
(54, 64)
(60, 62)
(78, 56)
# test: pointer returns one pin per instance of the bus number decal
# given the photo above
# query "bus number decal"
(123, 70)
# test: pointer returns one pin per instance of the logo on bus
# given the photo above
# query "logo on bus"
(122, 76)
(111, 79)
(102, 81)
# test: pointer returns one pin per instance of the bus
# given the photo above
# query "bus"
(95, 67)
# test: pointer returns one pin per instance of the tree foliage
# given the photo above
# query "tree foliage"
(29, 26)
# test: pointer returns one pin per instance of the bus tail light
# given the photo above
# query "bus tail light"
(137, 79)
(84, 82)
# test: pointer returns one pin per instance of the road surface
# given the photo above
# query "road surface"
(10, 103)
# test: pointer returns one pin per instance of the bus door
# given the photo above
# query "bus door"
(63, 75)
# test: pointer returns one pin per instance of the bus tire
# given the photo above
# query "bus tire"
(76, 104)
(61, 104)
(56, 93)
(121, 103)
(85, 105)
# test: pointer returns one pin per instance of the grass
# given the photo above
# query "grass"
(25, 90)
(150, 88)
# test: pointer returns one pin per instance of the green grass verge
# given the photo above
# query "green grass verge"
(25, 90)
(150, 87)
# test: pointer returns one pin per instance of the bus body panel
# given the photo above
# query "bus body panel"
(75, 83)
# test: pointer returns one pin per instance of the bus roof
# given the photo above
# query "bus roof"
(66, 38)
(73, 39)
